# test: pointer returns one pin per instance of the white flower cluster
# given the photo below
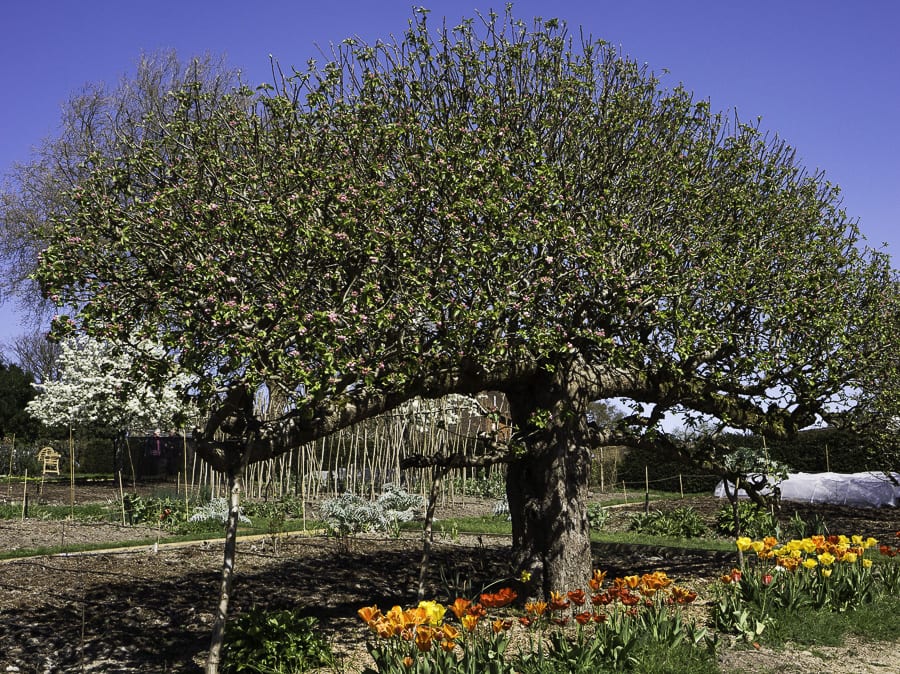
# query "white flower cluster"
(97, 386)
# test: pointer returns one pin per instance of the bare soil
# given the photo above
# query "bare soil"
(149, 609)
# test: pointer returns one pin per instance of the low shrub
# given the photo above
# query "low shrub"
(274, 642)
(756, 522)
(597, 516)
(684, 522)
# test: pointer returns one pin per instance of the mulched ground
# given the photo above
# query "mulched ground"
(150, 609)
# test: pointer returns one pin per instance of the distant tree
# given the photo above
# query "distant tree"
(15, 392)
(499, 209)
(37, 354)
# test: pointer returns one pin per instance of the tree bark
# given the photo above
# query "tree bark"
(547, 489)
(218, 631)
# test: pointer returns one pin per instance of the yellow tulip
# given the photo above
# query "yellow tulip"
(810, 563)
(826, 572)
(849, 557)
(826, 559)
(743, 543)
(807, 545)
(866, 563)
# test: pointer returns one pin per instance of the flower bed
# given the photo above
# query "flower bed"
(612, 624)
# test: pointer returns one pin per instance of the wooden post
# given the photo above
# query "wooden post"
(12, 453)
(71, 473)
(624, 492)
(122, 497)
(602, 487)
(680, 485)
(187, 493)
(25, 496)
(646, 489)
(827, 462)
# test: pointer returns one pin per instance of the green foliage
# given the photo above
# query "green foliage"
(276, 642)
(490, 486)
(597, 516)
(875, 621)
(799, 527)
(168, 512)
(629, 226)
(663, 472)
(683, 522)
(287, 507)
(16, 391)
(483, 184)
(756, 522)
(349, 514)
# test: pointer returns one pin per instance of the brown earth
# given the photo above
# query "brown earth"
(149, 609)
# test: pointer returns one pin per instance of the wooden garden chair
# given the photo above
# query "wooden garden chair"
(49, 459)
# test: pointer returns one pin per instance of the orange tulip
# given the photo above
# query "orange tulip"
(584, 618)
(558, 602)
(501, 625)
(499, 599)
(577, 597)
(681, 595)
(596, 581)
(629, 599)
(369, 614)
(460, 607)
(424, 637)
(536, 608)
(631, 582)
(601, 599)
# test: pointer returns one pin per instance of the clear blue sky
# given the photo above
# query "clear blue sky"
(823, 74)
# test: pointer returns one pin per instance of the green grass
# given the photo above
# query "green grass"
(260, 527)
(91, 512)
(634, 538)
(484, 524)
(681, 659)
(497, 525)
(878, 621)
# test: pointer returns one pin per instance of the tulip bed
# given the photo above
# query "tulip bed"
(632, 621)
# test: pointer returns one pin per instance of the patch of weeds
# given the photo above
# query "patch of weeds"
(756, 522)
(658, 658)
(597, 516)
(684, 522)
(275, 641)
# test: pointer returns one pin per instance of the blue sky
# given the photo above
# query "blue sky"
(824, 74)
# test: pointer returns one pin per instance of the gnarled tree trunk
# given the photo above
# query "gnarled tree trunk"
(547, 490)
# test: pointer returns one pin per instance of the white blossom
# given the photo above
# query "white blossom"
(97, 386)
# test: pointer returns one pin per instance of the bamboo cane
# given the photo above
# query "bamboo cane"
(122, 497)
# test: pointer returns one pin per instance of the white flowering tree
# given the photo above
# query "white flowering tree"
(97, 388)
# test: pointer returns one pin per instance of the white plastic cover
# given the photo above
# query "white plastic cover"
(871, 490)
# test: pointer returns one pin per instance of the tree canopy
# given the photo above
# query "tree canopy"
(492, 206)
(15, 393)
(92, 120)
